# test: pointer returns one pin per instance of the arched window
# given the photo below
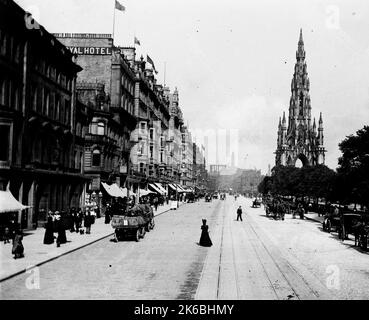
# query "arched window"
(96, 158)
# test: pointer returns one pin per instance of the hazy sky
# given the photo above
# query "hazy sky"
(233, 60)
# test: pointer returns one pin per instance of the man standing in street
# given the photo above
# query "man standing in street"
(239, 213)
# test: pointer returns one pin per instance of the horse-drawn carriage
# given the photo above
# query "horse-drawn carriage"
(347, 223)
(134, 223)
(275, 209)
(256, 203)
(191, 198)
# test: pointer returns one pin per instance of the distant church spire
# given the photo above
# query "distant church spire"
(300, 140)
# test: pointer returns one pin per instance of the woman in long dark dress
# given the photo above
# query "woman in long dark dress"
(205, 240)
(62, 237)
(49, 232)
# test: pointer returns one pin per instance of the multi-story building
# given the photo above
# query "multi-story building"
(187, 158)
(199, 167)
(175, 137)
(107, 86)
(151, 108)
(39, 153)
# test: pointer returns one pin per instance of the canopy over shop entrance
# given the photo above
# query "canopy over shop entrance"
(9, 204)
(115, 191)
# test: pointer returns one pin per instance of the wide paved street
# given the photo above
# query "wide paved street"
(258, 258)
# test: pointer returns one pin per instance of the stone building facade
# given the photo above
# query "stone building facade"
(106, 85)
(300, 138)
(37, 118)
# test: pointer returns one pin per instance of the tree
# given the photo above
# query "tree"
(354, 167)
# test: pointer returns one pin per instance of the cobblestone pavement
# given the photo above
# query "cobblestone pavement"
(259, 258)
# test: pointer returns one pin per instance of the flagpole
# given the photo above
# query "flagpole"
(114, 20)
(165, 72)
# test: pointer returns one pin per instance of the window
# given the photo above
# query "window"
(10, 93)
(161, 156)
(2, 92)
(57, 108)
(142, 167)
(151, 152)
(5, 134)
(96, 158)
(16, 99)
(46, 105)
(152, 134)
(101, 128)
(141, 148)
(142, 129)
(34, 98)
(3, 44)
(67, 111)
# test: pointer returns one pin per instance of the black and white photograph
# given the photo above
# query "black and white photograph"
(182, 150)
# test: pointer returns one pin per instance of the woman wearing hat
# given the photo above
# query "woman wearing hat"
(205, 240)
(49, 231)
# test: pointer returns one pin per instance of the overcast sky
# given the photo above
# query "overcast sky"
(233, 60)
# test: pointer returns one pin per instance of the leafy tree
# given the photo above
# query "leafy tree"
(353, 182)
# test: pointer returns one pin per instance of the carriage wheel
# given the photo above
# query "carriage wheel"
(137, 236)
(143, 232)
(152, 224)
(147, 227)
(329, 226)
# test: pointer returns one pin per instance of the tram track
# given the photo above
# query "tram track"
(264, 272)
(296, 281)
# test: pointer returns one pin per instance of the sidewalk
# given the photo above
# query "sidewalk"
(36, 253)
(314, 217)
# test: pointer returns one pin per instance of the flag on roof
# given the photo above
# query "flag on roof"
(119, 6)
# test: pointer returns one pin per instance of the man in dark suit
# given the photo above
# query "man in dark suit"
(239, 213)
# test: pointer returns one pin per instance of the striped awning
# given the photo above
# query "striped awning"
(160, 186)
(155, 188)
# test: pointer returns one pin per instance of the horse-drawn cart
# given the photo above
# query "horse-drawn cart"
(135, 223)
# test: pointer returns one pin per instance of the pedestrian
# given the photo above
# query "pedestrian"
(239, 213)
(62, 237)
(156, 202)
(49, 231)
(79, 219)
(72, 217)
(18, 249)
(107, 215)
(205, 240)
(6, 235)
(88, 222)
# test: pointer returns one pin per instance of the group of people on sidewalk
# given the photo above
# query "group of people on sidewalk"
(72, 221)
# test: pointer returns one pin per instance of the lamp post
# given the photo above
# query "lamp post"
(99, 205)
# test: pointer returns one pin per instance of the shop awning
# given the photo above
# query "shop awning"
(155, 188)
(114, 190)
(160, 186)
(180, 189)
(144, 192)
(9, 204)
(173, 187)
